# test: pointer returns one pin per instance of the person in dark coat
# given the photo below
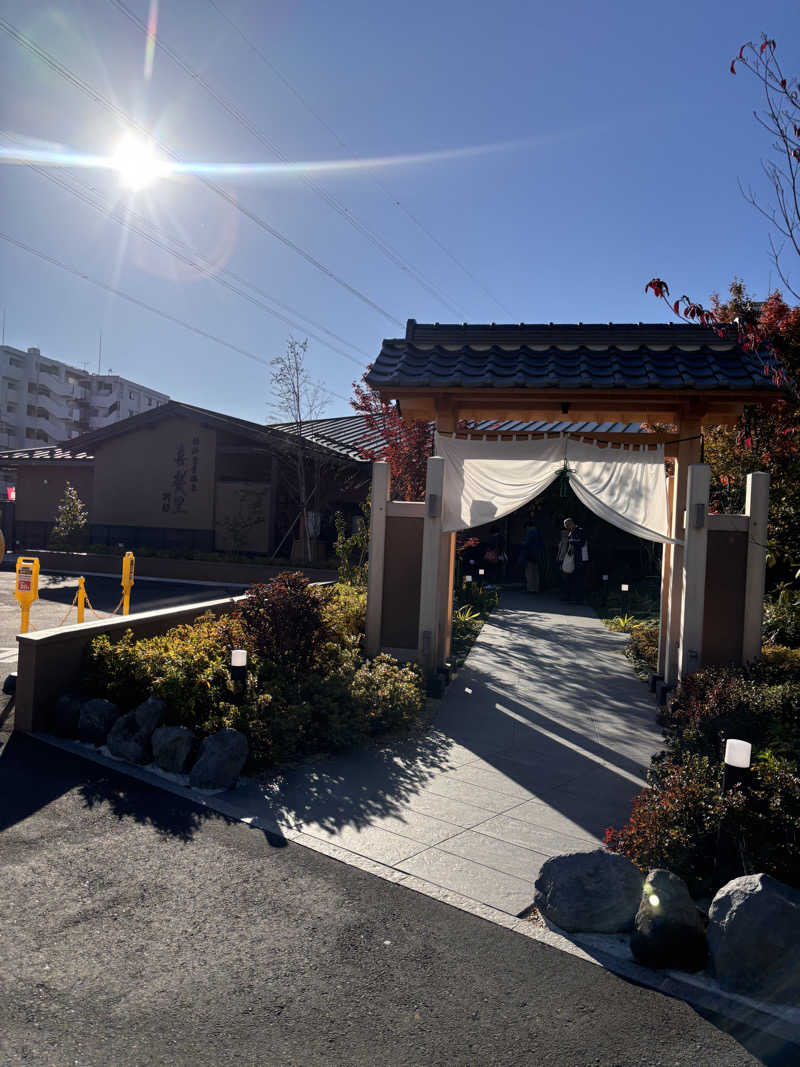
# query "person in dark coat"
(531, 559)
(575, 570)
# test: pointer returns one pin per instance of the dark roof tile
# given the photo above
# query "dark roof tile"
(566, 356)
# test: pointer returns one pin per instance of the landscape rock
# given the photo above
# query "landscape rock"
(172, 746)
(222, 757)
(754, 938)
(65, 715)
(129, 738)
(96, 719)
(595, 892)
(668, 930)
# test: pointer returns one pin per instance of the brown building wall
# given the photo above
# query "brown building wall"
(723, 623)
(40, 489)
(159, 476)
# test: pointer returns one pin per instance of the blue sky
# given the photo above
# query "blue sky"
(627, 136)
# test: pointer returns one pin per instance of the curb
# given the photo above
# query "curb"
(611, 952)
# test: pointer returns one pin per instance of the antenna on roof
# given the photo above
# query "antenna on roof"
(100, 352)
(4, 327)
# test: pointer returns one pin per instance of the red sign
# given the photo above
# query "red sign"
(12, 492)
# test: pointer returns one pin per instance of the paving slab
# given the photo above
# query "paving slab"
(540, 744)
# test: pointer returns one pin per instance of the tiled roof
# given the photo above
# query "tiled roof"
(567, 356)
(347, 435)
(48, 454)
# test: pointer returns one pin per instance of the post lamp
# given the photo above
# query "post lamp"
(238, 665)
(737, 763)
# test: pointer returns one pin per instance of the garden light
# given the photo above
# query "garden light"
(481, 571)
(624, 588)
(238, 664)
(467, 577)
(737, 763)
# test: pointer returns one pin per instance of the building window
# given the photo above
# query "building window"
(31, 387)
(11, 407)
(131, 413)
(30, 432)
(44, 391)
(104, 387)
(11, 385)
(31, 410)
(130, 394)
(149, 401)
(15, 361)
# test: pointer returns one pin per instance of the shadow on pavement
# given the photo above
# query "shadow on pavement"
(34, 774)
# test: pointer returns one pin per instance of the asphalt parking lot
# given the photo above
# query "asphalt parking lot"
(57, 590)
(139, 928)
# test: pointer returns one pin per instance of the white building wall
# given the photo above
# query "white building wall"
(44, 401)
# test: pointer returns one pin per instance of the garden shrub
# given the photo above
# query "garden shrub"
(188, 668)
(781, 623)
(760, 705)
(344, 609)
(684, 821)
(389, 695)
(308, 687)
(283, 620)
(781, 656)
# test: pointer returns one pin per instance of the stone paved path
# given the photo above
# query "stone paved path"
(541, 743)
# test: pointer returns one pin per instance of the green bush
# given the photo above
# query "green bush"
(685, 823)
(308, 689)
(781, 624)
(344, 609)
(188, 668)
(389, 696)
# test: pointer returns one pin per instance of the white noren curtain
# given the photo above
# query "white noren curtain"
(486, 480)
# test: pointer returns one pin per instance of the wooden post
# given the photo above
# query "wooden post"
(688, 453)
(695, 551)
(430, 607)
(666, 562)
(757, 510)
(377, 552)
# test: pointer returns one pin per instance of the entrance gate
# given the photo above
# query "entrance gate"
(616, 376)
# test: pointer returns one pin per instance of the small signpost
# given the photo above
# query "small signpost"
(26, 590)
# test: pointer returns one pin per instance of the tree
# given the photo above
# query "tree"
(781, 119)
(404, 444)
(298, 400)
(72, 521)
(764, 437)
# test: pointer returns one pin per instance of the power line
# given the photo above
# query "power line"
(141, 303)
(336, 205)
(73, 79)
(343, 144)
(199, 263)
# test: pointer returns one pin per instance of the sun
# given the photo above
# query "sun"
(136, 163)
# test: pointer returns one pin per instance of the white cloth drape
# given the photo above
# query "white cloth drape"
(486, 480)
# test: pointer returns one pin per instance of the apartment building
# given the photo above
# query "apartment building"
(44, 401)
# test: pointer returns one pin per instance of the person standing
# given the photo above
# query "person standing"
(574, 565)
(530, 558)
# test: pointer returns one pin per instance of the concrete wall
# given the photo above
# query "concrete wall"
(162, 475)
(40, 489)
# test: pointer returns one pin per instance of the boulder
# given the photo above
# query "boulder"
(222, 757)
(130, 735)
(96, 719)
(172, 746)
(668, 930)
(596, 891)
(65, 715)
(754, 938)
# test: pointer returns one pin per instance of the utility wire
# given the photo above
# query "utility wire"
(141, 303)
(196, 262)
(73, 79)
(383, 246)
(343, 144)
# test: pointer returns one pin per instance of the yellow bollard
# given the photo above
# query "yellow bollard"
(26, 589)
(81, 599)
(128, 564)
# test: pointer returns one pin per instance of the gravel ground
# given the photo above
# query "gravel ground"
(140, 929)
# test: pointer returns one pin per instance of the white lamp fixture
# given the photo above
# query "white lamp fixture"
(467, 577)
(624, 588)
(737, 763)
(737, 753)
(481, 571)
(238, 664)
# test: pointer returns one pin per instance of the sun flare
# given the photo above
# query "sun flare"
(137, 164)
